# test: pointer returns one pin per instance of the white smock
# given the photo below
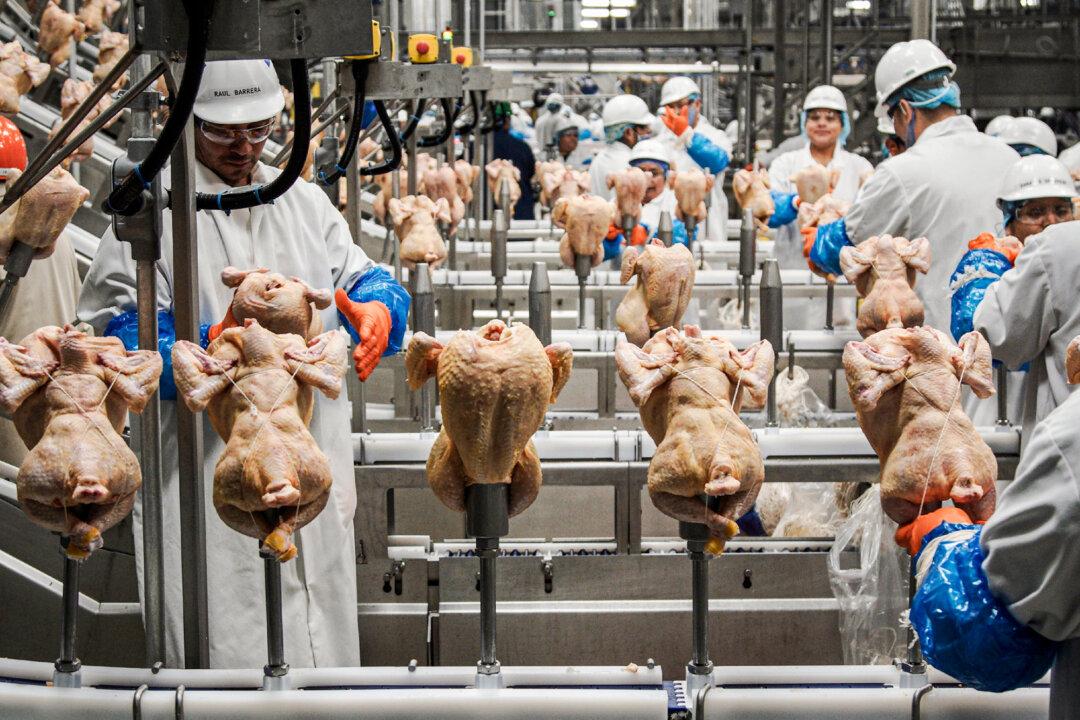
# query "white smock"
(650, 211)
(716, 224)
(580, 159)
(1031, 314)
(613, 158)
(300, 234)
(1031, 547)
(545, 126)
(943, 188)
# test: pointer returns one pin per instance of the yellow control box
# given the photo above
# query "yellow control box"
(423, 48)
(376, 44)
(462, 56)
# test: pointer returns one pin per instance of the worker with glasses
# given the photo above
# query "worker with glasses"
(300, 234)
(1022, 296)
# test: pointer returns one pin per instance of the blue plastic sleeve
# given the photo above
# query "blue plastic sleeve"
(378, 284)
(369, 114)
(831, 238)
(679, 236)
(613, 248)
(967, 632)
(585, 134)
(750, 524)
(125, 326)
(707, 154)
(990, 265)
(785, 208)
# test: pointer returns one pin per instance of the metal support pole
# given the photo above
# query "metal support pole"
(664, 229)
(772, 324)
(276, 667)
(540, 302)
(1003, 397)
(395, 192)
(414, 107)
(830, 304)
(189, 425)
(68, 663)
(780, 69)
(482, 20)
(424, 321)
(499, 230)
(468, 23)
(487, 520)
(327, 152)
(827, 41)
(914, 664)
(699, 671)
(747, 263)
(748, 86)
(582, 266)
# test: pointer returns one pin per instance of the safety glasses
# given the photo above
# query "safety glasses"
(1037, 215)
(226, 135)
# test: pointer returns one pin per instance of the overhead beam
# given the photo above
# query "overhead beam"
(732, 38)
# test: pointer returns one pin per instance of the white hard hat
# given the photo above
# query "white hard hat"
(651, 149)
(1030, 131)
(554, 98)
(234, 92)
(678, 88)
(998, 124)
(1036, 176)
(627, 109)
(825, 97)
(563, 121)
(884, 124)
(906, 61)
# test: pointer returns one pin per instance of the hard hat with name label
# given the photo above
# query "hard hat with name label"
(907, 61)
(998, 124)
(234, 92)
(1036, 176)
(825, 97)
(627, 109)
(678, 88)
(12, 147)
(651, 149)
(1030, 131)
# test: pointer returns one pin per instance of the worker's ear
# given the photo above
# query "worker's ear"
(398, 211)
(561, 357)
(916, 253)
(1072, 361)
(871, 374)
(973, 364)
(671, 178)
(629, 264)
(751, 370)
(558, 212)
(442, 210)
(421, 359)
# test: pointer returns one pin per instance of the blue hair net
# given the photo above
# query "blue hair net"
(614, 132)
(1024, 149)
(845, 128)
(947, 93)
(642, 161)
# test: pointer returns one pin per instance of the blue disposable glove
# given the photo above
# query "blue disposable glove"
(831, 238)
(977, 271)
(125, 326)
(613, 247)
(786, 210)
(378, 284)
(679, 235)
(707, 154)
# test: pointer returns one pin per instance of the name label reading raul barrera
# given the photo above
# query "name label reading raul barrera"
(236, 92)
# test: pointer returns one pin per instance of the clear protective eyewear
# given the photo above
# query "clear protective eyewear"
(225, 135)
(1036, 215)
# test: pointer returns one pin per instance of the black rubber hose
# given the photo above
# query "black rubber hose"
(274, 189)
(489, 117)
(441, 138)
(360, 75)
(126, 198)
(395, 144)
(475, 102)
(421, 106)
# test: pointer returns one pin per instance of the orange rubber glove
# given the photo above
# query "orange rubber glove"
(612, 232)
(809, 234)
(987, 241)
(371, 321)
(677, 122)
(638, 236)
(910, 536)
(228, 322)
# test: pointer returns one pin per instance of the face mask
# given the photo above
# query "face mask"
(553, 107)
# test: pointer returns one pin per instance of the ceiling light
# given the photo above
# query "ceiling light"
(594, 3)
(620, 12)
(589, 24)
(595, 12)
(858, 4)
(623, 3)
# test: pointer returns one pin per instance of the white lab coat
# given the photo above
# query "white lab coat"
(1031, 547)
(580, 159)
(943, 188)
(300, 234)
(1032, 314)
(716, 225)
(613, 158)
(545, 126)
(852, 168)
(650, 211)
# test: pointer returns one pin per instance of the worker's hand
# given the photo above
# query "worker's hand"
(613, 232)
(677, 122)
(371, 321)
(1010, 247)
(228, 322)
(639, 235)
(809, 234)
(910, 536)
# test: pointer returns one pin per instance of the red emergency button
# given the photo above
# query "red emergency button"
(422, 48)
(460, 59)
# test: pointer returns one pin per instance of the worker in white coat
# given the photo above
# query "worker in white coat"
(1029, 136)
(627, 121)
(696, 143)
(825, 122)
(996, 605)
(545, 122)
(568, 149)
(1028, 313)
(943, 187)
(300, 234)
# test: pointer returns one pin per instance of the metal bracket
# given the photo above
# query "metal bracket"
(136, 702)
(402, 81)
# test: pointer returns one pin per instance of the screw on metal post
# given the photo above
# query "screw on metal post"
(582, 267)
(499, 230)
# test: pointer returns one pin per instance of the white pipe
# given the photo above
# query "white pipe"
(31, 702)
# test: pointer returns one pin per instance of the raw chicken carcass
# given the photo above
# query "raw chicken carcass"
(95, 13)
(691, 187)
(441, 184)
(19, 72)
(414, 219)
(499, 172)
(1072, 361)
(883, 272)
(630, 186)
(828, 208)
(561, 182)
(69, 395)
(586, 219)
(385, 181)
(751, 188)
(905, 386)
(543, 183)
(662, 292)
(466, 175)
(72, 94)
(688, 388)
(495, 384)
(58, 29)
(111, 47)
(258, 388)
(814, 182)
(38, 217)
